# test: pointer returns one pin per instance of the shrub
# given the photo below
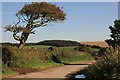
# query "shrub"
(95, 46)
(8, 57)
(51, 48)
(103, 51)
(107, 68)
(83, 49)
(13, 56)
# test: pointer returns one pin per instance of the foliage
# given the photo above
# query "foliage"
(115, 34)
(58, 43)
(46, 10)
(106, 68)
(51, 48)
(103, 51)
(13, 54)
(34, 15)
(8, 57)
(83, 49)
(95, 46)
(94, 52)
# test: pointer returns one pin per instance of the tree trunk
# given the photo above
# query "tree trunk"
(23, 40)
(21, 44)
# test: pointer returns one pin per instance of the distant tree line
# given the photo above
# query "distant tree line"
(59, 43)
(15, 44)
(8, 44)
(56, 43)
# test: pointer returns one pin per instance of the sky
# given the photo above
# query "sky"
(86, 21)
(60, 0)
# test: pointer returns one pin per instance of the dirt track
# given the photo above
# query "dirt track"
(57, 72)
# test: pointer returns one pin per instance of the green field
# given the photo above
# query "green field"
(39, 46)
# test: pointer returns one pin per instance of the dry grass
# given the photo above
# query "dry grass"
(97, 43)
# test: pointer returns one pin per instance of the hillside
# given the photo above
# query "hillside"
(97, 43)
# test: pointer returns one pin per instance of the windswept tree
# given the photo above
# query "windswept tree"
(34, 15)
(115, 35)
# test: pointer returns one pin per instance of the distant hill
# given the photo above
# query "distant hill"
(59, 43)
(97, 43)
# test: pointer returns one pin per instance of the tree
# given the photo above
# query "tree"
(115, 35)
(34, 15)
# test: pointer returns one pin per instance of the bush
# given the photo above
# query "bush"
(51, 48)
(107, 68)
(8, 57)
(102, 51)
(95, 46)
(83, 49)
(13, 56)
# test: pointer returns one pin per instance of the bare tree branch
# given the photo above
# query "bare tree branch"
(15, 29)
(25, 18)
(22, 18)
(32, 32)
(16, 37)
(41, 24)
(17, 22)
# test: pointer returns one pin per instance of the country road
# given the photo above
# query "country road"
(57, 72)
